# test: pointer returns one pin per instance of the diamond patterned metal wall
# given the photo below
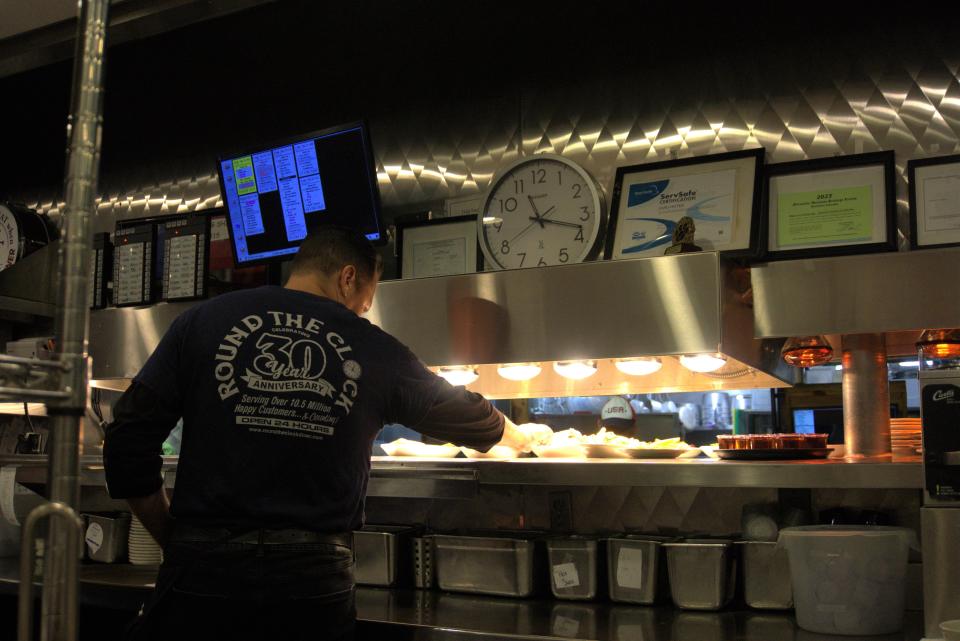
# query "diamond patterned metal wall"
(597, 510)
(851, 106)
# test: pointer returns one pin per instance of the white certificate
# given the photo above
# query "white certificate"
(440, 257)
(441, 247)
(937, 204)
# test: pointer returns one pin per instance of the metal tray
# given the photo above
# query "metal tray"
(773, 454)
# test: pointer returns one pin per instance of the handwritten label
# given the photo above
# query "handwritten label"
(565, 576)
(630, 568)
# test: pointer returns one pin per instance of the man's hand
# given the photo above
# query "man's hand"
(524, 438)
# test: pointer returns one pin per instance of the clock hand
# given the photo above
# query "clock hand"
(525, 230)
(558, 222)
(536, 214)
(547, 213)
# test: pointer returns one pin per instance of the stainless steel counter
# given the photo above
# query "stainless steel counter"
(901, 474)
(436, 615)
(459, 478)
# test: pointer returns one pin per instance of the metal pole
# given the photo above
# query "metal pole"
(866, 395)
(61, 585)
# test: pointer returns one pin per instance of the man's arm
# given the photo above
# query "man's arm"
(425, 402)
(132, 456)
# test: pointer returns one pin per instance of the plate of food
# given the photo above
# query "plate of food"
(406, 447)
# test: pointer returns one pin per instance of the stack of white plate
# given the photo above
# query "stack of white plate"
(141, 547)
(905, 435)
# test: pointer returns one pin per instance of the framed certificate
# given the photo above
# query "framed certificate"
(934, 202)
(439, 247)
(830, 207)
(720, 193)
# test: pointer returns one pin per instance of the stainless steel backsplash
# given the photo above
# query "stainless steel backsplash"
(848, 105)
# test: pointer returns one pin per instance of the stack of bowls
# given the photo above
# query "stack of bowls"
(141, 547)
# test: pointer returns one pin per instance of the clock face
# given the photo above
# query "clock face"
(544, 210)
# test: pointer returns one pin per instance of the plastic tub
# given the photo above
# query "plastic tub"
(849, 580)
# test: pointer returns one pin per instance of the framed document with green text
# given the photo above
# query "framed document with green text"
(720, 193)
(831, 206)
(934, 202)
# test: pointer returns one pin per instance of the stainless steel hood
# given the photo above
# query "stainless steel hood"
(897, 294)
(666, 306)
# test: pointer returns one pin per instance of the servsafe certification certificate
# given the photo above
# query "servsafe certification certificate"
(654, 208)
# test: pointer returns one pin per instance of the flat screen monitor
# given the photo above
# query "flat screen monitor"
(276, 193)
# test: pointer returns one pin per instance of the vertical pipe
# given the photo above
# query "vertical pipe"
(60, 587)
(866, 395)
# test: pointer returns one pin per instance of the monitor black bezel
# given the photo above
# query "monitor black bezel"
(270, 145)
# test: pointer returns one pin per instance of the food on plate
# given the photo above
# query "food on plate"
(539, 433)
(570, 444)
(406, 447)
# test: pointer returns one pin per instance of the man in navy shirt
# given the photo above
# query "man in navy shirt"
(282, 392)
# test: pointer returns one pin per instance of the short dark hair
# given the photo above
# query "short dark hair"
(330, 248)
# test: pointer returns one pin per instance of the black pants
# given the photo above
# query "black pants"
(235, 592)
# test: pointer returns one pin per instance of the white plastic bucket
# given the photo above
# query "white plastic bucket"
(849, 580)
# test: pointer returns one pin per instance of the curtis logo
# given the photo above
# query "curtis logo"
(943, 395)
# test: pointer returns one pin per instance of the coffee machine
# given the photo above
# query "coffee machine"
(940, 514)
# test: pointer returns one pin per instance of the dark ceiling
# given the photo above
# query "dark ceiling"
(296, 66)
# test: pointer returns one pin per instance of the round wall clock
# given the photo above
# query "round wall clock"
(542, 210)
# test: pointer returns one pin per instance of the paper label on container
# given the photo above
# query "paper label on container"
(565, 575)
(565, 626)
(630, 568)
(8, 483)
(94, 537)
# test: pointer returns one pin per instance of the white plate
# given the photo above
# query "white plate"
(497, 452)
(404, 447)
(561, 451)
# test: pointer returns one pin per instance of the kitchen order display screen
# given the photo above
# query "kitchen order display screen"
(275, 195)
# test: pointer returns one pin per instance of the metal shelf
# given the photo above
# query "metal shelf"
(24, 379)
(460, 478)
(905, 474)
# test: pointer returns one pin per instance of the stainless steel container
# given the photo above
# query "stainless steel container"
(381, 554)
(634, 570)
(485, 565)
(105, 537)
(766, 576)
(574, 568)
(702, 573)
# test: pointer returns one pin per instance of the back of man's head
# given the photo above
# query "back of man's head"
(330, 248)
